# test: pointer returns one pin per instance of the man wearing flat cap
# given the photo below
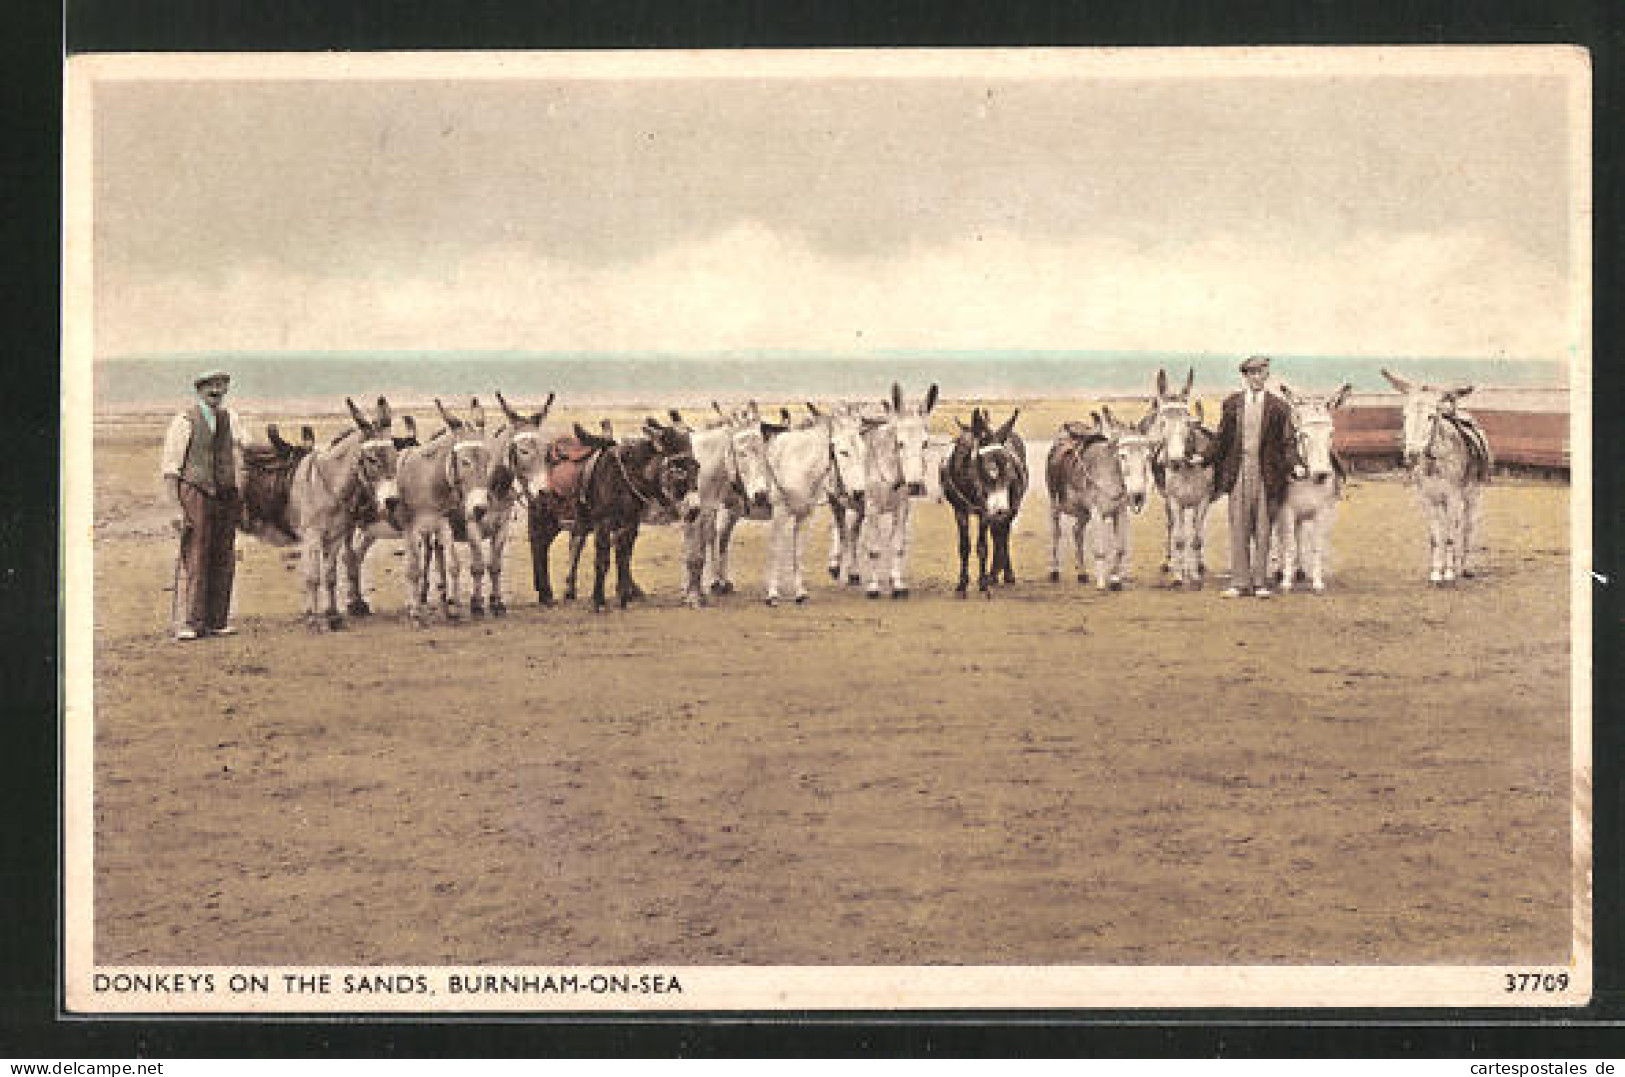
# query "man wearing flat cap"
(202, 451)
(1251, 465)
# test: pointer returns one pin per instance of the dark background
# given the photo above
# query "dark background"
(40, 34)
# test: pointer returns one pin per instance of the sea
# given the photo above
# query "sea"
(525, 378)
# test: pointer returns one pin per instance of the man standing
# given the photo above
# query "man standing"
(1251, 465)
(200, 461)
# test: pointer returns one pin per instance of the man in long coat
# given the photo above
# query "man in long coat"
(201, 457)
(1251, 465)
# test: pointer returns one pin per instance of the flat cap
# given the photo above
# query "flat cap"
(210, 376)
(1255, 363)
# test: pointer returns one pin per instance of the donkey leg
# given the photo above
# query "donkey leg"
(1171, 549)
(1103, 532)
(1455, 530)
(330, 581)
(493, 570)
(1120, 551)
(625, 540)
(1081, 551)
(451, 602)
(962, 523)
(542, 529)
(798, 542)
(600, 566)
(877, 527)
(723, 542)
(310, 565)
(354, 556)
(1469, 524)
(902, 525)
(578, 543)
(1054, 542)
(775, 552)
(476, 572)
(697, 539)
(1436, 542)
(982, 584)
(837, 534)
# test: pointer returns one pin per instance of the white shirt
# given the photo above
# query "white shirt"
(180, 433)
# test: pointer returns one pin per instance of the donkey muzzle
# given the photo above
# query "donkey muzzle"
(760, 500)
(916, 489)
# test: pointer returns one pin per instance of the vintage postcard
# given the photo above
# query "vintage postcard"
(842, 530)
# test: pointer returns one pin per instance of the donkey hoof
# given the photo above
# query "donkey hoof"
(835, 572)
(801, 600)
(899, 592)
(545, 601)
(1083, 577)
(854, 579)
(959, 592)
(334, 621)
(498, 607)
(476, 608)
(570, 595)
(725, 587)
(1317, 587)
(872, 594)
(1055, 575)
(1115, 584)
(772, 601)
(358, 608)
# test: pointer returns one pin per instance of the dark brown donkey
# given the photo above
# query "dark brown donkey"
(985, 475)
(656, 472)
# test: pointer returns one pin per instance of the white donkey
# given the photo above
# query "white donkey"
(1304, 521)
(894, 473)
(732, 484)
(517, 466)
(1097, 475)
(802, 465)
(445, 486)
(350, 484)
(1449, 460)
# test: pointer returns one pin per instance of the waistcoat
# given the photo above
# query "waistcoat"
(209, 465)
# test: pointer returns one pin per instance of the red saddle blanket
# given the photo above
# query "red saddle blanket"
(569, 462)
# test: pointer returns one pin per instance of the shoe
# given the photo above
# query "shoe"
(1261, 592)
(224, 630)
(1230, 592)
(182, 634)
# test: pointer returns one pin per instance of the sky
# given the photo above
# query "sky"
(1318, 214)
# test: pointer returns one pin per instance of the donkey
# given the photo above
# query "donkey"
(1304, 521)
(731, 485)
(845, 509)
(1449, 459)
(1175, 424)
(654, 473)
(894, 473)
(803, 465)
(517, 474)
(1094, 475)
(985, 475)
(446, 487)
(349, 485)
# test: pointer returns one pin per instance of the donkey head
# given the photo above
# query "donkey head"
(911, 428)
(1133, 451)
(748, 441)
(523, 452)
(1421, 408)
(377, 460)
(468, 464)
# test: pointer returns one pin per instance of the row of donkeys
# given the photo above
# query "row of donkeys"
(462, 488)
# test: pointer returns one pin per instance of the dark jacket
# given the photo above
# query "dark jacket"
(1274, 462)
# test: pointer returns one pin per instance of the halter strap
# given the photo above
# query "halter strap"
(523, 482)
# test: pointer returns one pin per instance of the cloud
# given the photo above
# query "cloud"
(1445, 293)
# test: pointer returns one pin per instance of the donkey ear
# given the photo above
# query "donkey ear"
(360, 420)
(1285, 392)
(771, 429)
(547, 406)
(513, 416)
(1002, 435)
(451, 421)
(813, 408)
(307, 436)
(1339, 397)
(1461, 391)
(1190, 380)
(1162, 382)
(963, 429)
(930, 399)
(1397, 382)
(896, 397)
(675, 416)
(478, 413)
(1200, 417)
(384, 414)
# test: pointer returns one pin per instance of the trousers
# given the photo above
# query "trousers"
(1250, 525)
(208, 559)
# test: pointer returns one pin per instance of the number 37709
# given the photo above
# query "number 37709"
(1544, 982)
